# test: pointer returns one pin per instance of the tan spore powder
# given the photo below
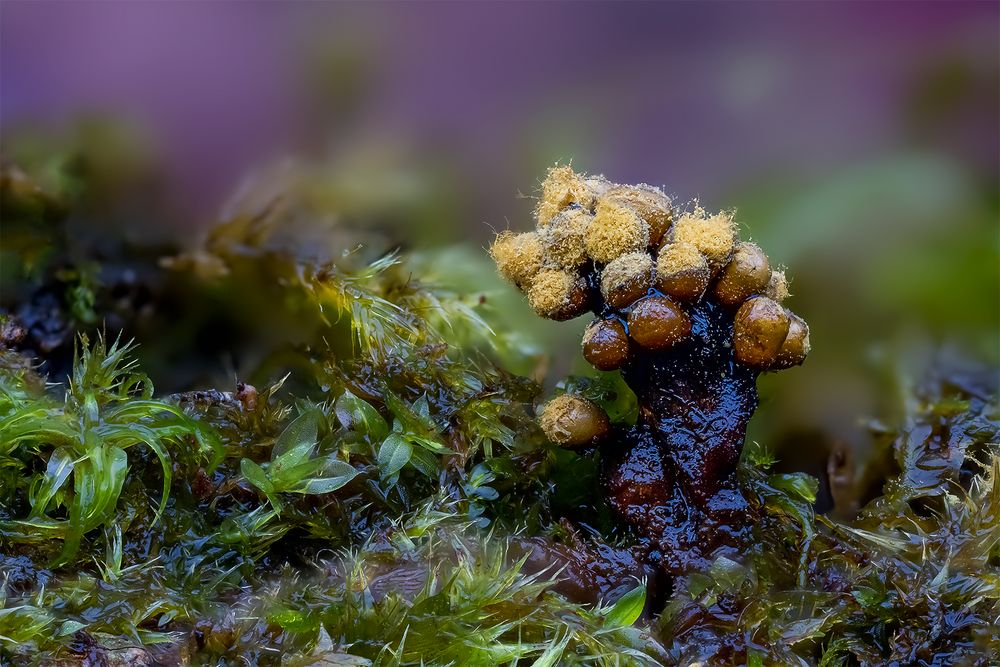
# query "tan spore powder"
(677, 258)
(563, 187)
(563, 238)
(573, 420)
(551, 290)
(713, 235)
(627, 278)
(682, 271)
(518, 256)
(616, 230)
(650, 203)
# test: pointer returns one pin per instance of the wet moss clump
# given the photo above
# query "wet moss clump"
(374, 487)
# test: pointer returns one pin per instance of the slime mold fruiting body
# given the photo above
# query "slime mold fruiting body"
(691, 316)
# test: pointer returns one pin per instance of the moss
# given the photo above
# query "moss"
(393, 501)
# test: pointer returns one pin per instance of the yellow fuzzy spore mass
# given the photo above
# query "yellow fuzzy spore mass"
(713, 235)
(650, 203)
(561, 188)
(631, 274)
(616, 230)
(563, 238)
(518, 256)
(550, 291)
(678, 258)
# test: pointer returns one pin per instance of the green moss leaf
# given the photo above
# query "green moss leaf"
(304, 430)
(425, 461)
(627, 610)
(414, 418)
(358, 415)
(797, 485)
(394, 453)
(284, 467)
(553, 654)
(59, 468)
(254, 474)
(336, 474)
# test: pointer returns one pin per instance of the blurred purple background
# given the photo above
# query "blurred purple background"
(700, 97)
(860, 141)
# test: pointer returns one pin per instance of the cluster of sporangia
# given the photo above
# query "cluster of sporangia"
(617, 250)
(689, 313)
